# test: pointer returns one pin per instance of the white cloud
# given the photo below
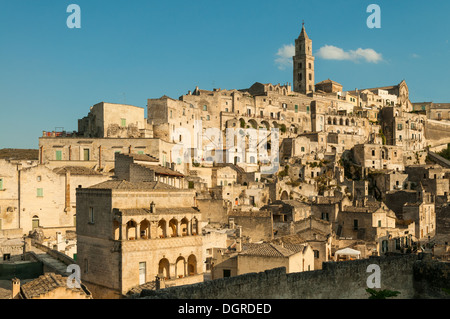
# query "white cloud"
(330, 52)
(284, 56)
(415, 56)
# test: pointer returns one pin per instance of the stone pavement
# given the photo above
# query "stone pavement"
(49, 261)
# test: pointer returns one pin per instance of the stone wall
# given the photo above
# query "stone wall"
(413, 278)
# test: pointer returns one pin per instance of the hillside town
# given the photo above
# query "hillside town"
(221, 183)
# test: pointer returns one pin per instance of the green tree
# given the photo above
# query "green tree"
(381, 294)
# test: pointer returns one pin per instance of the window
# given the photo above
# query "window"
(91, 215)
(303, 149)
(141, 152)
(39, 178)
(226, 109)
(226, 273)
(40, 192)
(123, 122)
(355, 224)
(296, 108)
(316, 254)
(35, 222)
(86, 154)
(373, 152)
(170, 113)
(399, 126)
(58, 155)
(1, 184)
(208, 117)
(142, 271)
(310, 76)
(205, 108)
(379, 223)
(307, 108)
(309, 65)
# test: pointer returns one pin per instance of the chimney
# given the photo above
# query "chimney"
(238, 245)
(152, 207)
(15, 288)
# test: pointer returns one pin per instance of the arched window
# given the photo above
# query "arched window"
(161, 232)
(180, 268)
(192, 265)
(164, 268)
(184, 227)
(144, 229)
(131, 230)
(173, 227)
(194, 226)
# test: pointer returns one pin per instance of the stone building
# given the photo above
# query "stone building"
(377, 156)
(365, 222)
(99, 153)
(144, 168)
(48, 286)
(129, 232)
(259, 257)
(328, 86)
(34, 195)
(303, 64)
(114, 120)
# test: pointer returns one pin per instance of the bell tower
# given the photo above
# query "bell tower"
(303, 64)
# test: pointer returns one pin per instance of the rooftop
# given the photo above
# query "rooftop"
(267, 250)
(76, 170)
(19, 154)
(125, 185)
(45, 284)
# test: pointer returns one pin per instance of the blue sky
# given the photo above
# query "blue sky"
(129, 51)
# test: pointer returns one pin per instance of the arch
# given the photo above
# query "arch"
(266, 124)
(144, 229)
(164, 268)
(253, 123)
(353, 122)
(341, 121)
(242, 122)
(161, 230)
(252, 160)
(329, 121)
(173, 227)
(334, 121)
(184, 226)
(283, 128)
(194, 226)
(347, 122)
(192, 265)
(293, 128)
(284, 195)
(131, 230)
(116, 230)
(180, 269)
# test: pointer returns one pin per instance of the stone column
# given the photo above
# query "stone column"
(189, 225)
(178, 229)
(122, 228)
